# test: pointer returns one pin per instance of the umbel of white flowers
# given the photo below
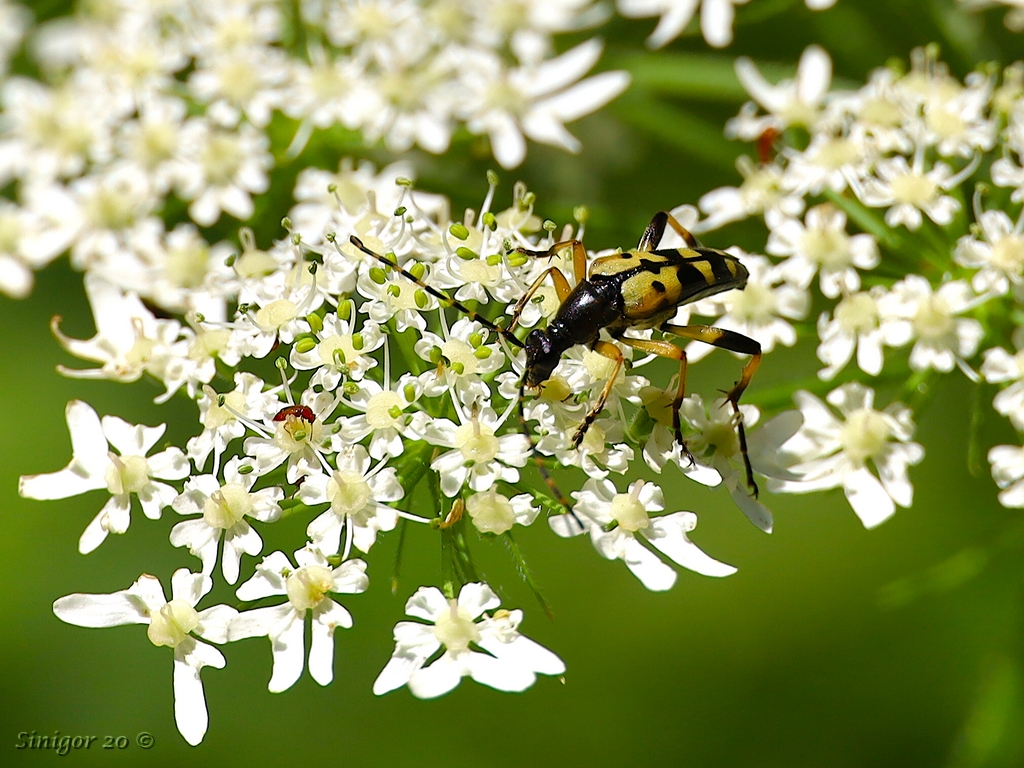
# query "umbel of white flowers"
(384, 392)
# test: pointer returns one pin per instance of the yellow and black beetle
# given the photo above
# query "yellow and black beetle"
(636, 289)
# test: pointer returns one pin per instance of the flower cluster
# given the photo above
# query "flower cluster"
(143, 105)
(367, 373)
(902, 200)
(383, 393)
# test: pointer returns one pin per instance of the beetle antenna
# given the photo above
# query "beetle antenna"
(441, 296)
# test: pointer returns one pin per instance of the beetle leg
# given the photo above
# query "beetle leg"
(683, 232)
(671, 351)
(655, 231)
(734, 342)
(562, 289)
(612, 352)
(579, 256)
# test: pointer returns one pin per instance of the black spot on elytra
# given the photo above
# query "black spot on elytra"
(658, 286)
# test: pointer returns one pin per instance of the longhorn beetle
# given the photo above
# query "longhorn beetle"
(638, 289)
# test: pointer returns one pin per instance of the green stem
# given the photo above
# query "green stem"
(525, 572)
(396, 569)
(867, 220)
(979, 409)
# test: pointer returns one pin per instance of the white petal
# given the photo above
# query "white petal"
(101, 610)
(586, 96)
(646, 566)
(567, 68)
(189, 586)
(498, 674)
(477, 598)
(756, 512)
(868, 498)
(524, 652)
(813, 74)
(131, 439)
(86, 470)
(417, 644)
(426, 603)
(258, 622)
(321, 650)
(437, 679)
(214, 623)
(288, 651)
(189, 702)
(668, 535)
(113, 518)
(68, 482)
(565, 526)
(169, 465)
(507, 143)
(350, 577)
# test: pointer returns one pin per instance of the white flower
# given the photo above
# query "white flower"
(1008, 471)
(381, 414)
(761, 193)
(152, 141)
(224, 509)
(298, 436)
(129, 340)
(614, 521)
(247, 78)
(307, 588)
(221, 421)
(52, 132)
(125, 473)
(510, 661)
(835, 454)
(823, 246)
(717, 443)
(357, 495)
(462, 359)
(28, 242)
(862, 323)
(662, 446)
(491, 512)
(1000, 367)
(910, 190)
(791, 102)
(999, 253)
(943, 338)
(481, 458)
(536, 100)
(171, 623)
(341, 351)
(107, 208)
(828, 162)
(222, 169)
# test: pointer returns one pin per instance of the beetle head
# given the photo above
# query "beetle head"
(542, 358)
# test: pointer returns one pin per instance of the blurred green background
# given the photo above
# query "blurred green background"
(832, 646)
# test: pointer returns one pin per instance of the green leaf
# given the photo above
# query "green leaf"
(684, 131)
(698, 76)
